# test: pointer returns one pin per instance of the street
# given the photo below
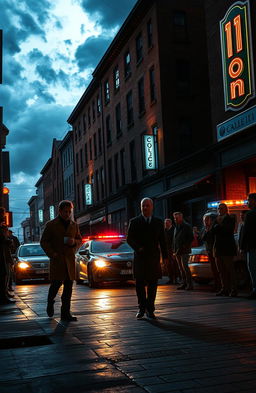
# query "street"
(199, 343)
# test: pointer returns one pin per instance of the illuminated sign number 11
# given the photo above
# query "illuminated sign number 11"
(237, 56)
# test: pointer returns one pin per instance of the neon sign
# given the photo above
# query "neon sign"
(149, 152)
(52, 215)
(237, 62)
(88, 194)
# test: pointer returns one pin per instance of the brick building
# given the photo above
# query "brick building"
(142, 127)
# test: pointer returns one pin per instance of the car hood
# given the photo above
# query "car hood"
(117, 256)
(40, 258)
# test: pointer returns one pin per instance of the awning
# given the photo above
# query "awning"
(182, 187)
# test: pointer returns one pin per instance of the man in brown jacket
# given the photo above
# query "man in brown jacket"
(60, 240)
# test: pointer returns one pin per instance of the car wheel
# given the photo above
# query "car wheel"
(91, 282)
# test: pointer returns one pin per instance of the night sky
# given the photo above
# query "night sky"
(50, 51)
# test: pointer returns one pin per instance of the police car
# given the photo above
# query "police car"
(104, 258)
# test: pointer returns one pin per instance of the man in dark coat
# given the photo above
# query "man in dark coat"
(172, 267)
(182, 239)
(224, 250)
(248, 241)
(146, 237)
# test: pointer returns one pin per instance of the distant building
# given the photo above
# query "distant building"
(26, 230)
(34, 219)
(67, 160)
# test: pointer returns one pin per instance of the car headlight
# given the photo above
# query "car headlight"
(23, 265)
(100, 263)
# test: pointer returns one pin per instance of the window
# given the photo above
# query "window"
(127, 64)
(180, 26)
(108, 130)
(98, 104)
(110, 185)
(93, 111)
(116, 171)
(97, 185)
(182, 77)
(116, 78)
(86, 154)
(77, 165)
(78, 197)
(118, 120)
(133, 162)
(106, 92)
(129, 109)
(75, 133)
(152, 84)
(84, 123)
(141, 95)
(122, 161)
(90, 149)
(102, 182)
(81, 159)
(150, 34)
(100, 141)
(95, 145)
(79, 130)
(139, 48)
(89, 116)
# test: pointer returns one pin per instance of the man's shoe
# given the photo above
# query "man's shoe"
(252, 296)
(183, 286)
(140, 314)
(68, 318)
(151, 315)
(50, 309)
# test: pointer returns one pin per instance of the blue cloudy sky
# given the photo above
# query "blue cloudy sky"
(50, 50)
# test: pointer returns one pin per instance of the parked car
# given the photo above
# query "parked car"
(201, 269)
(104, 258)
(30, 263)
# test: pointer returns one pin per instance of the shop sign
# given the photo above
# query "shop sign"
(51, 209)
(237, 61)
(88, 194)
(40, 215)
(149, 152)
(237, 123)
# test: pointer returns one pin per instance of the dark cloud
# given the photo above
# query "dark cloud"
(11, 67)
(112, 12)
(90, 52)
(40, 90)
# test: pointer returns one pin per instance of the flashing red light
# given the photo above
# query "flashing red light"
(107, 237)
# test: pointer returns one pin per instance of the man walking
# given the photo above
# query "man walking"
(60, 240)
(248, 241)
(182, 239)
(145, 236)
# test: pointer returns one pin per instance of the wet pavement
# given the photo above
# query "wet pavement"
(199, 343)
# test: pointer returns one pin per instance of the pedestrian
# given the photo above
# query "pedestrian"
(248, 241)
(196, 238)
(224, 250)
(207, 237)
(171, 267)
(146, 237)
(60, 240)
(240, 230)
(15, 242)
(13, 248)
(182, 239)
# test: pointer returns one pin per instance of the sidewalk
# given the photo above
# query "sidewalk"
(198, 344)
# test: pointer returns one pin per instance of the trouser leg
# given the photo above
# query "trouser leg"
(185, 259)
(216, 276)
(53, 290)
(221, 270)
(251, 263)
(66, 297)
(141, 294)
(181, 269)
(151, 295)
(231, 273)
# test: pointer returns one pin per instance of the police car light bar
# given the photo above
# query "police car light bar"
(102, 237)
(230, 203)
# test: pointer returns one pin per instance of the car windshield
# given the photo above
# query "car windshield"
(110, 246)
(32, 250)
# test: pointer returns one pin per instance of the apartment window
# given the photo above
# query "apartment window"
(150, 33)
(84, 123)
(86, 154)
(98, 104)
(122, 166)
(93, 111)
(90, 149)
(97, 185)
(118, 120)
(102, 182)
(129, 109)
(152, 84)
(127, 64)
(100, 141)
(141, 95)
(116, 164)
(182, 77)
(110, 184)
(133, 166)
(95, 144)
(116, 77)
(77, 164)
(139, 48)
(75, 133)
(180, 26)
(79, 130)
(81, 159)
(78, 197)
(108, 130)
(106, 92)
(89, 116)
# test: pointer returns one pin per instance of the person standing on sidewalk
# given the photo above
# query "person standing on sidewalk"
(224, 250)
(182, 239)
(146, 237)
(60, 240)
(172, 267)
(248, 241)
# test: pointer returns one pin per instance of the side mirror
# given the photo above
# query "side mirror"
(84, 252)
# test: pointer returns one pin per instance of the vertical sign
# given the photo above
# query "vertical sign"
(40, 215)
(88, 194)
(149, 152)
(237, 61)
(51, 212)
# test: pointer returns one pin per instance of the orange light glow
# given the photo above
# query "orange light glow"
(228, 30)
(238, 84)
(236, 62)
(107, 237)
(5, 190)
(239, 41)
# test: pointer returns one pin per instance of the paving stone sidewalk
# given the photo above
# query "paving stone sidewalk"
(198, 344)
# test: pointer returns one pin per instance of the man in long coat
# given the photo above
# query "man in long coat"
(60, 240)
(146, 236)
